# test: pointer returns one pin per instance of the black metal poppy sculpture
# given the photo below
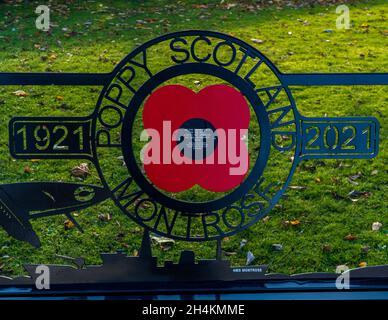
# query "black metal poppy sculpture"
(241, 82)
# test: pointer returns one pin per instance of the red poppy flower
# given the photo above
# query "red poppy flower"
(222, 108)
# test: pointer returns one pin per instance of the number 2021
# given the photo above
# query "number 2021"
(333, 137)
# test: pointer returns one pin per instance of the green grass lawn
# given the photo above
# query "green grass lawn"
(94, 36)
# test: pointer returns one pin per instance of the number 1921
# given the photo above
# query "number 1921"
(50, 138)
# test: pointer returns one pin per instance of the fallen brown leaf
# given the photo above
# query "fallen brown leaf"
(258, 41)
(376, 226)
(81, 171)
(327, 248)
(285, 223)
(266, 219)
(350, 237)
(105, 217)
(27, 169)
(20, 93)
(200, 6)
(297, 187)
(68, 225)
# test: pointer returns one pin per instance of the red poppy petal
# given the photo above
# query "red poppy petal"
(224, 107)
(221, 177)
(171, 177)
(172, 103)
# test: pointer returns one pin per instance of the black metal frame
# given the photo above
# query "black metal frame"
(18, 201)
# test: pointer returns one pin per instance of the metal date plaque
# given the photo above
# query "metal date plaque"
(192, 93)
